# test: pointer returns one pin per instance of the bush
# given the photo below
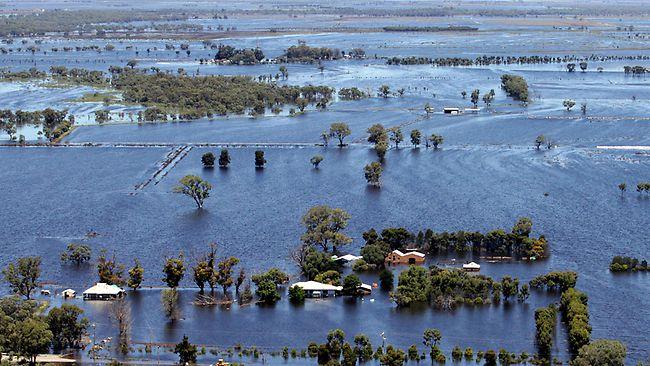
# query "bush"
(208, 160)
(296, 295)
(386, 279)
(360, 266)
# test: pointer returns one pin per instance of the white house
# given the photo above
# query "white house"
(317, 289)
(471, 267)
(103, 291)
(348, 258)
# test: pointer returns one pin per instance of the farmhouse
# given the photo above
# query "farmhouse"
(317, 289)
(410, 257)
(471, 267)
(103, 291)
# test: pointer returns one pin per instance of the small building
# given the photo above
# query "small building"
(69, 294)
(365, 289)
(471, 267)
(410, 257)
(104, 291)
(317, 289)
(45, 292)
(452, 110)
(348, 258)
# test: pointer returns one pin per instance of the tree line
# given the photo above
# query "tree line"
(55, 123)
(486, 60)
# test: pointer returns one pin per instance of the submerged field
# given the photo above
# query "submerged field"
(486, 175)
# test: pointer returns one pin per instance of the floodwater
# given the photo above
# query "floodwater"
(486, 175)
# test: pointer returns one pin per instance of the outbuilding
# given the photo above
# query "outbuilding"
(69, 294)
(348, 258)
(471, 267)
(452, 110)
(104, 291)
(410, 257)
(317, 289)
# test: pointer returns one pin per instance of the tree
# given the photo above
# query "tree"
(174, 270)
(340, 130)
(396, 135)
(195, 187)
(509, 287)
(601, 352)
(132, 63)
(428, 109)
(204, 272)
(380, 149)
(109, 270)
(296, 294)
(376, 133)
(349, 357)
(436, 140)
(66, 326)
(583, 108)
(267, 291)
(169, 300)
(362, 347)
(431, 337)
(335, 340)
(568, 104)
(539, 140)
(22, 276)
(489, 97)
(412, 286)
(622, 187)
(463, 94)
(224, 158)
(76, 253)
(386, 279)
(121, 314)
(571, 67)
(186, 352)
(372, 173)
(384, 91)
(324, 226)
(136, 275)
(208, 160)
(351, 285)
(524, 292)
(475, 96)
(32, 337)
(315, 160)
(416, 136)
(259, 159)
(325, 136)
(523, 227)
(224, 273)
(392, 357)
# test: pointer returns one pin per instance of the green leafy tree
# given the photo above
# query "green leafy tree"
(416, 137)
(267, 291)
(67, 326)
(539, 141)
(208, 160)
(186, 352)
(340, 130)
(195, 187)
(260, 161)
(316, 160)
(412, 286)
(384, 91)
(393, 357)
(431, 337)
(386, 279)
(395, 135)
(351, 285)
(622, 187)
(224, 158)
(380, 149)
(601, 352)
(296, 294)
(22, 276)
(32, 337)
(372, 173)
(475, 97)
(224, 273)
(169, 301)
(362, 347)
(335, 340)
(109, 270)
(324, 227)
(76, 253)
(136, 275)
(377, 133)
(436, 140)
(173, 270)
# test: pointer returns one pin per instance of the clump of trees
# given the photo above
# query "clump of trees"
(22, 275)
(555, 281)
(205, 96)
(236, 56)
(267, 285)
(372, 172)
(625, 264)
(353, 93)
(603, 352)
(55, 123)
(515, 86)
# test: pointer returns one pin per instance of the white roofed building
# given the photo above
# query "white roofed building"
(104, 291)
(317, 289)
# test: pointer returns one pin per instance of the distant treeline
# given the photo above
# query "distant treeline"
(403, 28)
(78, 20)
(506, 60)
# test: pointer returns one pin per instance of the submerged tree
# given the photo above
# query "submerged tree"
(169, 300)
(208, 160)
(316, 160)
(568, 104)
(396, 135)
(224, 158)
(324, 227)
(416, 136)
(109, 270)
(174, 270)
(436, 140)
(259, 159)
(539, 141)
(340, 130)
(372, 173)
(76, 253)
(195, 187)
(136, 275)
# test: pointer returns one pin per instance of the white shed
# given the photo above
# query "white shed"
(103, 291)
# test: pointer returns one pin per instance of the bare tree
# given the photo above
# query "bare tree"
(121, 315)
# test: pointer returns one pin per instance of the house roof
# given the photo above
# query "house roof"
(347, 257)
(413, 252)
(103, 289)
(365, 287)
(317, 286)
(472, 265)
(69, 291)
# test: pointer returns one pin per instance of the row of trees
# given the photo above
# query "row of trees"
(515, 86)
(575, 313)
(624, 264)
(503, 60)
